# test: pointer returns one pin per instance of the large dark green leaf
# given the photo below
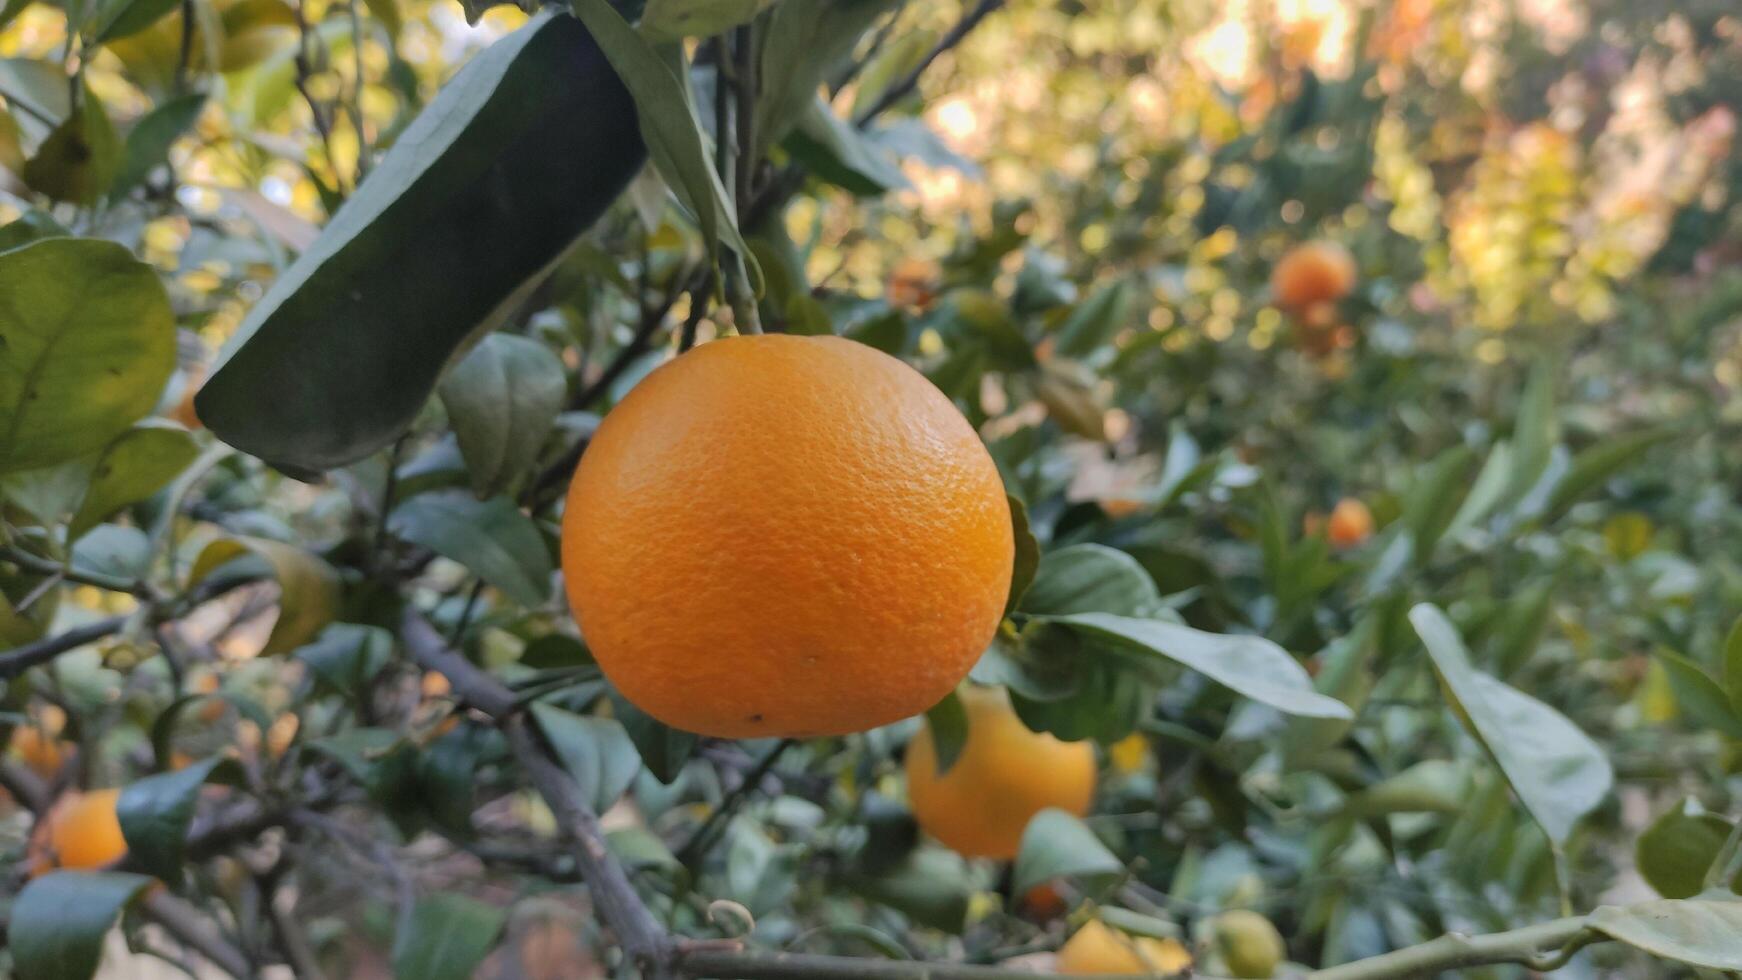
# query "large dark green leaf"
(1085, 578)
(492, 538)
(1700, 931)
(1058, 845)
(89, 341)
(502, 400)
(140, 462)
(515, 157)
(597, 752)
(446, 937)
(1555, 768)
(59, 921)
(1250, 665)
(155, 812)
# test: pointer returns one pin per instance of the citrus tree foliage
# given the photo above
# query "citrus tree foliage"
(1391, 587)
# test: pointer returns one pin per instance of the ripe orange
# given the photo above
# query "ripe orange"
(1313, 272)
(913, 283)
(1005, 775)
(786, 536)
(40, 752)
(1095, 948)
(1350, 523)
(1043, 903)
(79, 831)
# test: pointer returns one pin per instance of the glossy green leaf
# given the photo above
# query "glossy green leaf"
(1056, 844)
(1675, 852)
(112, 551)
(1249, 665)
(1430, 786)
(155, 813)
(308, 586)
(33, 225)
(1699, 696)
(516, 156)
(140, 462)
(80, 158)
(832, 149)
(60, 919)
(150, 139)
(663, 749)
(111, 20)
(1093, 322)
(1085, 578)
(1601, 461)
(1027, 560)
(672, 20)
(346, 657)
(803, 43)
(1556, 770)
(90, 341)
(597, 752)
(502, 400)
(491, 538)
(1698, 931)
(947, 723)
(446, 937)
(1733, 666)
(375, 757)
(668, 123)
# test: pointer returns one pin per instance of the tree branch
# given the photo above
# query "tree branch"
(717, 964)
(42, 651)
(194, 930)
(1536, 946)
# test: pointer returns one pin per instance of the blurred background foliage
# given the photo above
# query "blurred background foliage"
(1533, 387)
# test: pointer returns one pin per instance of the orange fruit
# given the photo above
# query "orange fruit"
(1350, 523)
(1095, 948)
(1313, 272)
(1004, 776)
(40, 752)
(79, 831)
(1043, 902)
(913, 283)
(786, 536)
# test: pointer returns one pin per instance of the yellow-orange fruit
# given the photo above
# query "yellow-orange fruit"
(1310, 273)
(913, 283)
(1004, 776)
(1043, 902)
(786, 536)
(1095, 948)
(40, 752)
(1350, 523)
(1250, 946)
(79, 831)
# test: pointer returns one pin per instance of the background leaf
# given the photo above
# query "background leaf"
(140, 462)
(597, 752)
(155, 813)
(446, 937)
(1088, 578)
(91, 334)
(1055, 845)
(59, 921)
(1697, 931)
(502, 400)
(491, 538)
(1556, 770)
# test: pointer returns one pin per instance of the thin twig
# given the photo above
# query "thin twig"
(900, 89)
(195, 930)
(42, 651)
(1453, 951)
(699, 841)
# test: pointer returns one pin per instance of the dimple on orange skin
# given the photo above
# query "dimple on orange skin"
(786, 536)
(1005, 775)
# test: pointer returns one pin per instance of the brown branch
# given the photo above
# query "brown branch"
(717, 964)
(26, 787)
(643, 939)
(23, 658)
(195, 930)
